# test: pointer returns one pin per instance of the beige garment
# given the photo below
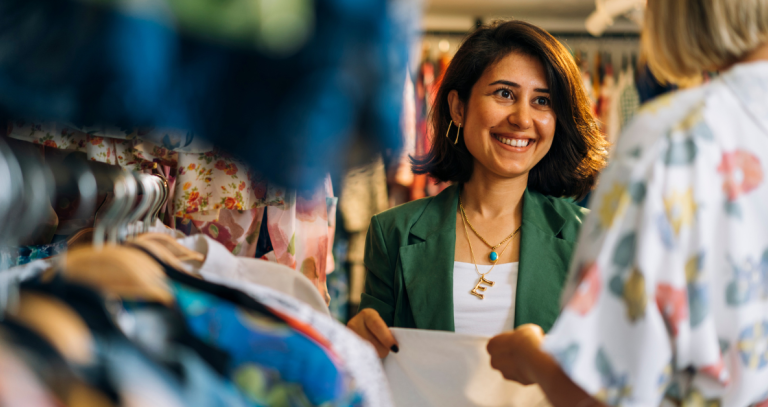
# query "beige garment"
(363, 194)
(221, 263)
(445, 369)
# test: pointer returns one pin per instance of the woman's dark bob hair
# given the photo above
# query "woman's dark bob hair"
(578, 151)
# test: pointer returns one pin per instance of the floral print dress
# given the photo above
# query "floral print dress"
(668, 292)
(211, 192)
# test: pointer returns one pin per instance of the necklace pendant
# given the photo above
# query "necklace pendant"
(479, 289)
(494, 256)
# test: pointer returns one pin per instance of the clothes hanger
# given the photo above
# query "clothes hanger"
(178, 251)
(162, 245)
(162, 184)
(119, 270)
(33, 206)
(118, 225)
(129, 227)
(104, 227)
(57, 323)
(158, 196)
(11, 185)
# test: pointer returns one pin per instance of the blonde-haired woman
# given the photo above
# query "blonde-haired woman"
(668, 292)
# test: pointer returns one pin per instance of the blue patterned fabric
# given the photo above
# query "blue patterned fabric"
(271, 363)
(17, 256)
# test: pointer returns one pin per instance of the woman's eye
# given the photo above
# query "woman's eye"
(542, 101)
(506, 94)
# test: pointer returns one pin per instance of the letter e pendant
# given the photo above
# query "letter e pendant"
(480, 288)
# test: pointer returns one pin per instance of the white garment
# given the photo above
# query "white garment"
(158, 227)
(493, 314)
(668, 290)
(220, 262)
(445, 369)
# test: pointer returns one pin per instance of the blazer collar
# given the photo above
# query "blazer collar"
(439, 215)
(427, 262)
(539, 212)
(544, 260)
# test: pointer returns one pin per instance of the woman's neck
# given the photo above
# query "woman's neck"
(491, 196)
(758, 54)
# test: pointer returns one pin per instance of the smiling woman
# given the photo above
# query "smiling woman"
(485, 63)
(515, 135)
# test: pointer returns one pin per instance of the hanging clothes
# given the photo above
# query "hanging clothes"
(267, 357)
(360, 358)
(285, 290)
(211, 192)
(364, 194)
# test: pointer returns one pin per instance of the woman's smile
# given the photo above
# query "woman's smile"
(510, 142)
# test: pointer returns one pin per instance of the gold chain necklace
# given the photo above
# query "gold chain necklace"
(493, 256)
(482, 280)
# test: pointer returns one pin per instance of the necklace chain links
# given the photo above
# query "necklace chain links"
(478, 287)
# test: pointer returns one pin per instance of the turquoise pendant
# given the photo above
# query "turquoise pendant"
(494, 256)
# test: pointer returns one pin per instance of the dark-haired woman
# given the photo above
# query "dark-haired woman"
(515, 136)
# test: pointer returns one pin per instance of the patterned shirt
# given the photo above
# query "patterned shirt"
(668, 291)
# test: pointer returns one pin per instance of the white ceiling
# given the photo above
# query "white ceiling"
(553, 15)
(510, 8)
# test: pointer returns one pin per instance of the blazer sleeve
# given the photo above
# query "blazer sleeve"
(379, 291)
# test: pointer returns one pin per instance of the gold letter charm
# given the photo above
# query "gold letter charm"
(481, 289)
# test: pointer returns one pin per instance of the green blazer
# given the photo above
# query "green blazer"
(409, 253)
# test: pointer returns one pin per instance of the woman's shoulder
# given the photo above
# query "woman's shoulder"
(570, 210)
(404, 213)
(572, 214)
(404, 216)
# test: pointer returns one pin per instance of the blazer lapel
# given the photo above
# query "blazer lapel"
(544, 260)
(427, 263)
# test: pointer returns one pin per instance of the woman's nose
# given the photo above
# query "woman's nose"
(520, 116)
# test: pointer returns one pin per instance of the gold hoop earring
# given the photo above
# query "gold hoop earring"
(458, 130)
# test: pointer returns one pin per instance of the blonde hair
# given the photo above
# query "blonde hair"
(682, 38)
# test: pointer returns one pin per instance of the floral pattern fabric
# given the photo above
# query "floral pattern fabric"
(668, 291)
(211, 192)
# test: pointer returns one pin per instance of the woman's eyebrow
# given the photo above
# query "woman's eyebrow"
(515, 85)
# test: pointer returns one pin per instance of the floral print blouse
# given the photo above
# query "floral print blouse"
(668, 292)
(211, 190)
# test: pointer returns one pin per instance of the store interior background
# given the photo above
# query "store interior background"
(606, 61)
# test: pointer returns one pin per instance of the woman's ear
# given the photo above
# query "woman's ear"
(457, 107)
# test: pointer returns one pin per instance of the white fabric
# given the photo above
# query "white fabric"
(359, 357)
(12, 277)
(158, 227)
(613, 121)
(668, 291)
(493, 314)
(445, 369)
(220, 262)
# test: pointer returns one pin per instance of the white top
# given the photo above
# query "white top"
(493, 314)
(221, 262)
(446, 369)
(668, 291)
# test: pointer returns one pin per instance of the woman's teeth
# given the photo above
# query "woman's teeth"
(514, 142)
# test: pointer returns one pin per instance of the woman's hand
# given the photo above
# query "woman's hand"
(369, 325)
(515, 353)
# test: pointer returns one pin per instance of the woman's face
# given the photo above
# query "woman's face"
(508, 120)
